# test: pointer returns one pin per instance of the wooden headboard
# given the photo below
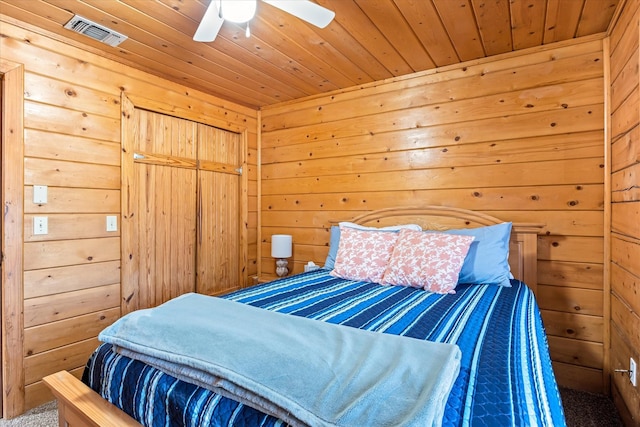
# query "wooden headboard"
(523, 248)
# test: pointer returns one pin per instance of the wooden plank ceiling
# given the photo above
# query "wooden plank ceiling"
(286, 58)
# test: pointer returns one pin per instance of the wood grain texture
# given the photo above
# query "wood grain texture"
(69, 226)
(625, 207)
(517, 137)
(73, 115)
(286, 59)
(576, 326)
(220, 203)
(55, 146)
(624, 186)
(50, 281)
(52, 308)
(578, 377)
(187, 196)
(55, 253)
(162, 193)
(82, 406)
(12, 128)
(44, 337)
(74, 200)
(67, 357)
(40, 394)
(628, 399)
(576, 352)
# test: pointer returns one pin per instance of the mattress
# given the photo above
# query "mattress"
(506, 377)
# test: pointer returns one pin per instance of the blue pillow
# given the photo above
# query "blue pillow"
(487, 261)
(334, 240)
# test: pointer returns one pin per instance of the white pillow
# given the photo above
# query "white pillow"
(414, 227)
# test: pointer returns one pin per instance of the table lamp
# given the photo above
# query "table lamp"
(281, 249)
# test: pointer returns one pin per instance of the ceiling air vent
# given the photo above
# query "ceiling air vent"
(95, 31)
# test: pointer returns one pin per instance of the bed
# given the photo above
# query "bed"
(505, 374)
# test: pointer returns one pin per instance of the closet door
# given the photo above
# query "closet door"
(219, 253)
(159, 233)
(183, 208)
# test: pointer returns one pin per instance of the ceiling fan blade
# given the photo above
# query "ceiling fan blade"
(306, 10)
(209, 25)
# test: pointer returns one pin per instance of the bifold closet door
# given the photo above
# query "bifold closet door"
(182, 227)
(159, 231)
(219, 206)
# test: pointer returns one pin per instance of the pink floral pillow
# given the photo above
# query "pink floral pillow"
(431, 261)
(363, 254)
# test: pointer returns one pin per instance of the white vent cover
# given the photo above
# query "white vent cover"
(95, 31)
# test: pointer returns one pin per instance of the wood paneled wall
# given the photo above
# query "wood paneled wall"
(625, 207)
(518, 136)
(72, 144)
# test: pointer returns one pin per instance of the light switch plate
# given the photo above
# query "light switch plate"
(112, 223)
(40, 225)
(40, 194)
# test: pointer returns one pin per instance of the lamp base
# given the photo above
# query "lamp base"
(281, 267)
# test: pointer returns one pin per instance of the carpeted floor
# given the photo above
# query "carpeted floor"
(42, 416)
(582, 409)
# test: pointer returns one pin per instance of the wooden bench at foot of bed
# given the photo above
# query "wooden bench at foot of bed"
(79, 406)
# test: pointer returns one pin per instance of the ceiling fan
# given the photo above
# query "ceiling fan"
(241, 11)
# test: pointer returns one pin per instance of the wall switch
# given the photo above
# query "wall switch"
(112, 223)
(40, 225)
(40, 194)
(633, 371)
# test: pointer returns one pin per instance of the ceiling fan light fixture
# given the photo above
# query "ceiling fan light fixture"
(238, 11)
(242, 11)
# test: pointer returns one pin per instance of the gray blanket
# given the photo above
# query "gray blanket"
(305, 371)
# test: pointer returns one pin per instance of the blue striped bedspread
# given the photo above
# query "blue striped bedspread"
(505, 379)
(301, 370)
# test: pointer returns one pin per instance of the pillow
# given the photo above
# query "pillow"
(488, 259)
(387, 228)
(334, 239)
(363, 254)
(431, 261)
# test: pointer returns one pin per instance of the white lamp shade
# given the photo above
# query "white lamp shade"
(281, 246)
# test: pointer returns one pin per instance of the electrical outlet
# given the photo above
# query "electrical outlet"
(633, 370)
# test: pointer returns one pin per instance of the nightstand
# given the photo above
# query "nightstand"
(256, 280)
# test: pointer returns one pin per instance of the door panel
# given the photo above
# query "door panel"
(166, 231)
(218, 249)
(218, 237)
(162, 229)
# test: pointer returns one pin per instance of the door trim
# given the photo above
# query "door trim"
(13, 398)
